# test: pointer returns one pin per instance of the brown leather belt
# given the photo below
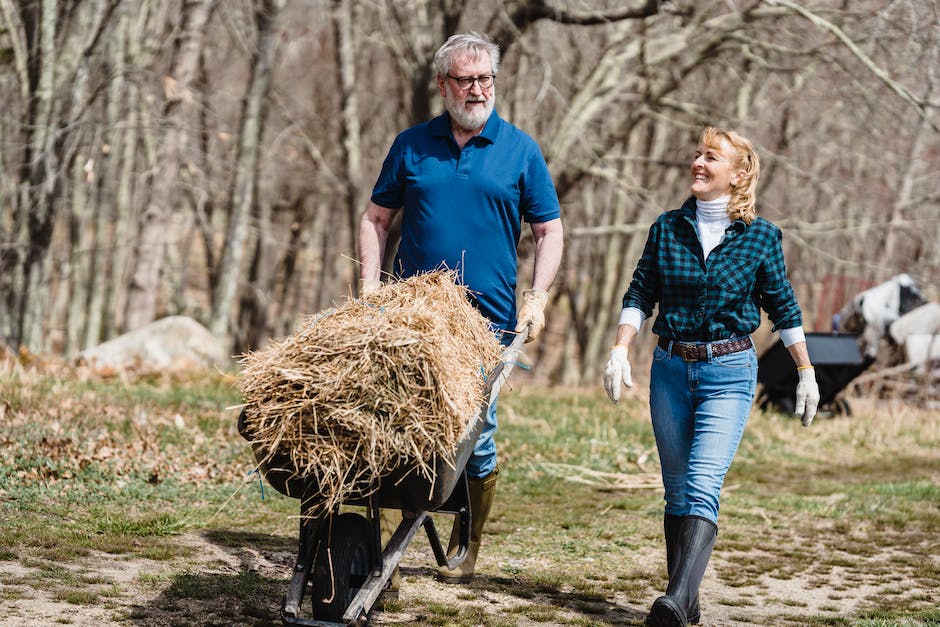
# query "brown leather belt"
(699, 352)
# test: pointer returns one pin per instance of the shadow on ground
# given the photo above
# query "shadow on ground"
(246, 583)
(244, 586)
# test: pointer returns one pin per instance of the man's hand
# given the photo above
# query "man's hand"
(807, 395)
(532, 312)
(617, 372)
(369, 286)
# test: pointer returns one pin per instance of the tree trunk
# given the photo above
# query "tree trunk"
(246, 174)
(145, 284)
(39, 172)
(349, 113)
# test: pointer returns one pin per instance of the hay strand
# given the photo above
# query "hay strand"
(604, 481)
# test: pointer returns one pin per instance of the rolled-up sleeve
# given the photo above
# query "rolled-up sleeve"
(776, 293)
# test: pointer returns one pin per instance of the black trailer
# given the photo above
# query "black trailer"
(837, 361)
(340, 562)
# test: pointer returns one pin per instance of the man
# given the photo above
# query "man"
(464, 181)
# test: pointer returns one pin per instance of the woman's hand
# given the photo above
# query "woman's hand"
(807, 395)
(617, 372)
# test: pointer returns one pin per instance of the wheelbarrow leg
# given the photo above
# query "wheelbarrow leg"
(362, 603)
(459, 503)
(306, 553)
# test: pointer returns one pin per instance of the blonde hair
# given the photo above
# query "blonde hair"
(743, 203)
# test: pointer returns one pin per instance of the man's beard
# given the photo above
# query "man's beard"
(468, 120)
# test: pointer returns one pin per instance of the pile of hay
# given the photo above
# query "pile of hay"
(382, 382)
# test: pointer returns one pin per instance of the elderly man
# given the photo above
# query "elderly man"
(464, 182)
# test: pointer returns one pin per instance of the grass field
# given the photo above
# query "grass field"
(134, 503)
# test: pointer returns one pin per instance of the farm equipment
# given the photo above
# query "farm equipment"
(340, 561)
(837, 361)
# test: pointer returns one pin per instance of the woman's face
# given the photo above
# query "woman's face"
(713, 171)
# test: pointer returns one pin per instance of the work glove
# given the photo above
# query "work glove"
(532, 312)
(617, 372)
(807, 395)
(368, 287)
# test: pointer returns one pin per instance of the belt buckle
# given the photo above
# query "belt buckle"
(688, 352)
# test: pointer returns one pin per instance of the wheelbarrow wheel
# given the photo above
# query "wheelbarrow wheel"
(342, 565)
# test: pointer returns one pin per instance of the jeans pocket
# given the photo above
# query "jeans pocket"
(741, 359)
(659, 354)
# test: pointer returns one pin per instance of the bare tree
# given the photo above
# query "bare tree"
(244, 194)
(238, 189)
(179, 107)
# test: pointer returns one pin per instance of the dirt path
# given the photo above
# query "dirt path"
(142, 592)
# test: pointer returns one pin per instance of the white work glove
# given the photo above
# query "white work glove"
(369, 286)
(532, 312)
(617, 372)
(807, 395)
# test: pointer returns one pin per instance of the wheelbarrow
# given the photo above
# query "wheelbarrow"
(340, 560)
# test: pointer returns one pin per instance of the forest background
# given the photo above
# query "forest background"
(212, 157)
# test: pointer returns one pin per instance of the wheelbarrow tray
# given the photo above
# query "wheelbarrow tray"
(403, 487)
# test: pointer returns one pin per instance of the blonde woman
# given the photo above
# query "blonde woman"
(710, 266)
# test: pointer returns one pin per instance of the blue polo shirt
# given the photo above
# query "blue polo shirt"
(463, 209)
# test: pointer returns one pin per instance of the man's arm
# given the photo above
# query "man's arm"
(373, 233)
(549, 246)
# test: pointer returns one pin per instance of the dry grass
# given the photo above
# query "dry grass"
(380, 383)
(132, 503)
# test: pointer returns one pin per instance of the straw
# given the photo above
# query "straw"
(379, 383)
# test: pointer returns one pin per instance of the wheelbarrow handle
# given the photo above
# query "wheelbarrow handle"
(507, 361)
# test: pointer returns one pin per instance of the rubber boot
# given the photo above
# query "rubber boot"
(672, 526)
(696, 539)
(389, 519)
(482, 492)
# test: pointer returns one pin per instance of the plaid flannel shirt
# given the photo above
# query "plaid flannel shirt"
(719, 299)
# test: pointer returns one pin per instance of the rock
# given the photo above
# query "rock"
(170, 345)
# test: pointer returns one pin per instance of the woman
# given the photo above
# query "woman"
(709, 265)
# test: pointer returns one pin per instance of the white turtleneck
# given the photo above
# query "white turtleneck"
(712, 219)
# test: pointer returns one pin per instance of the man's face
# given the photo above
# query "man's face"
(469, 108)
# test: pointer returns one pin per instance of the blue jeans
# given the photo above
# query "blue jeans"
(699, 411)
(482, 461)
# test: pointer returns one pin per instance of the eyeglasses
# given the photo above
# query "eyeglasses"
(466, 82)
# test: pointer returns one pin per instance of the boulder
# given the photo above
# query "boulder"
(170, 345)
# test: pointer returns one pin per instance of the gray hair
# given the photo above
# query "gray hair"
(471, 44)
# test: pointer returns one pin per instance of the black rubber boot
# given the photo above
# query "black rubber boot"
(696, 539)
(672, 526)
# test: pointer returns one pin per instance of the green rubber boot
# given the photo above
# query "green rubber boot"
(482, 492)
(389, 519)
